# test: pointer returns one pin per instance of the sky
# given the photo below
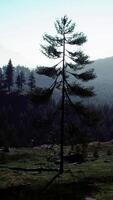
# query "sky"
(23, 23)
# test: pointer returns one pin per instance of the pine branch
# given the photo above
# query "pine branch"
(75, 67)
(47, 71)
(54, 83)
(69, 99)
(59, 27)
(78, 39)
(57, 64)
(43, 95)
(53, 40)
(79, 57)
(80, 60)
(85, 76)
(75, 54)
(58, 84)
(76, 89)
(78, 106)
(50, 51)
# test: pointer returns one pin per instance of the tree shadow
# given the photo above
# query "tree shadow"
(50, 182)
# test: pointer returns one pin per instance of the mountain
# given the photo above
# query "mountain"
(103, 84)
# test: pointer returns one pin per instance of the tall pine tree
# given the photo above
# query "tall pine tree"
(71, 63)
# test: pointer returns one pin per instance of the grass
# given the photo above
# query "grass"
(91, 178)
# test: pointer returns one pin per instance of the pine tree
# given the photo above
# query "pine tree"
(69, 65)
(1, 74)
(31, 81)
(18, 82)
(1, 78)
(3, 85)
(9, 75)
(22, 80)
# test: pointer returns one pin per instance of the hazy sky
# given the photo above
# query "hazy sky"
(23, 22)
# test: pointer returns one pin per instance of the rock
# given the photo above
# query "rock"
(89, 198)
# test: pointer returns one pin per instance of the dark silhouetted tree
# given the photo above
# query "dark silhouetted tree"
(3, 84)
(22, 80)
(1, 78)
(63, 47)
(1, 74)
(18, 82)
(31, 81)
(9, 75)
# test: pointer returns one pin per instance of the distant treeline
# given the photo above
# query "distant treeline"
(23, 123)
(17, 78)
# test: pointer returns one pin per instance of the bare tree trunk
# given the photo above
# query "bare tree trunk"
(62, 114)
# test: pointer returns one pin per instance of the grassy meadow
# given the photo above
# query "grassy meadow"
(32, 173)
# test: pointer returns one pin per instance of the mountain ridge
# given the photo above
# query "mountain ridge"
(103, 83)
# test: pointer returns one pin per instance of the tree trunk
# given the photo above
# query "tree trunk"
(62, 114)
